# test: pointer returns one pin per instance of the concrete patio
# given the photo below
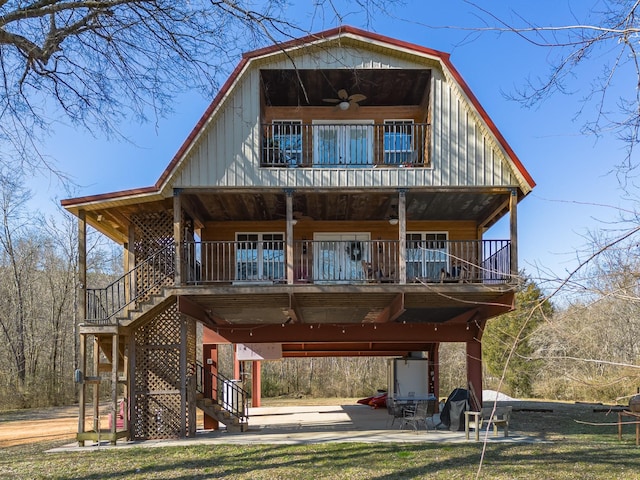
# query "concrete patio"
(318, 424)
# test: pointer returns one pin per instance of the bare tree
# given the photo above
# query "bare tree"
(94, 63)
(18, 255)
(605, 40)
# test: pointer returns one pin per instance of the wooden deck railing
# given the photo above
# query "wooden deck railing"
(103, 304)
(315, 261)
(359, 261)
(394, 144)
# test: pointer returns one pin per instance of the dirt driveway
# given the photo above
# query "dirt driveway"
(30, 426)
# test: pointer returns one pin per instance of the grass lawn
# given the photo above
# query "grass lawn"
(570, 450)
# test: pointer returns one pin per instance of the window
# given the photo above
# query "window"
(260, 257)
(427, 255)
(398, 142)
(286, 141)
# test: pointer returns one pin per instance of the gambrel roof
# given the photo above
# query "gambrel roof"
(344, 37)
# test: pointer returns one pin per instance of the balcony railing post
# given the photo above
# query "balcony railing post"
(289, 237)
(82, 266)
(513, 226)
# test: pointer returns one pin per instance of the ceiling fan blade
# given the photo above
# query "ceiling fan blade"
(331, 100)
(357, 97)
(342, 94)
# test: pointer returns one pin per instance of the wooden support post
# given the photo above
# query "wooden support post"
(513, 227)
(82, 266)
(131, 376)
(96, 386)
(210, 359)
(81, 312)
(289, 236)
(130, 263)
(177, 235)
(82, 367)
(434, 367)
(236, 364)
(183, 376)
(402, 236)
(474, 367)
(115, 356)
(256, 383)
(127, 385)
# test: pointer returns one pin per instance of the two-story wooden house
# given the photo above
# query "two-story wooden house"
(332, 200)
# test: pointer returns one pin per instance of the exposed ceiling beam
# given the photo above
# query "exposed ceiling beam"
(372, 332)
(194, 310)
(393, 310)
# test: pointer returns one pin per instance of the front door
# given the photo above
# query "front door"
(338, 257)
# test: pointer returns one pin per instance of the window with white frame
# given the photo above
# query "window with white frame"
(287, 141)
(260, 257)
(398, 142)
(427, 255)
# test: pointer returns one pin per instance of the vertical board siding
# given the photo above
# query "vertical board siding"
(463, 152)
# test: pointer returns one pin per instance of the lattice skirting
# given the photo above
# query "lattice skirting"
(162, 407)
(153, 232)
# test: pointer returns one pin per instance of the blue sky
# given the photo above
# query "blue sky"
(575, 191)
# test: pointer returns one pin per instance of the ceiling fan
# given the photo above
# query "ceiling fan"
(346, 101)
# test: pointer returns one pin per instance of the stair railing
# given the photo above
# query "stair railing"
(103, 304)
(228, 393)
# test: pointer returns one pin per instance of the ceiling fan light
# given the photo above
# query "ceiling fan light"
(343, 105)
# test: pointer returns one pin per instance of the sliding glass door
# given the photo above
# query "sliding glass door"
(340, 144)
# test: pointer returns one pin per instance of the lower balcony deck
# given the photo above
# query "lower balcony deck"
(250, 285)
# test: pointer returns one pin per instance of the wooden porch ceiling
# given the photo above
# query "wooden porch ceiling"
(484, 206)
(479, 206)
(300, 87)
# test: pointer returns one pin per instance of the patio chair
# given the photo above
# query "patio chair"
(394, 409)
(419, 415)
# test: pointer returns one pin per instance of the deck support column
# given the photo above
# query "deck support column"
(130, 263)
(289, 236)
(210, 358)
(183, 377)
(256, 383)
(177, 235)
(81, 310)
(513, 228)
(115, 354)
(402, 236)
(96, 386)
(474, 367)
(434, 369)
(236, 364)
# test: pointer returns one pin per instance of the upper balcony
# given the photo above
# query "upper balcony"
(348, 144)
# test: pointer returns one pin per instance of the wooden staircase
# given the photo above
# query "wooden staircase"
(146, 309)
(216, 411)
(222, 399)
